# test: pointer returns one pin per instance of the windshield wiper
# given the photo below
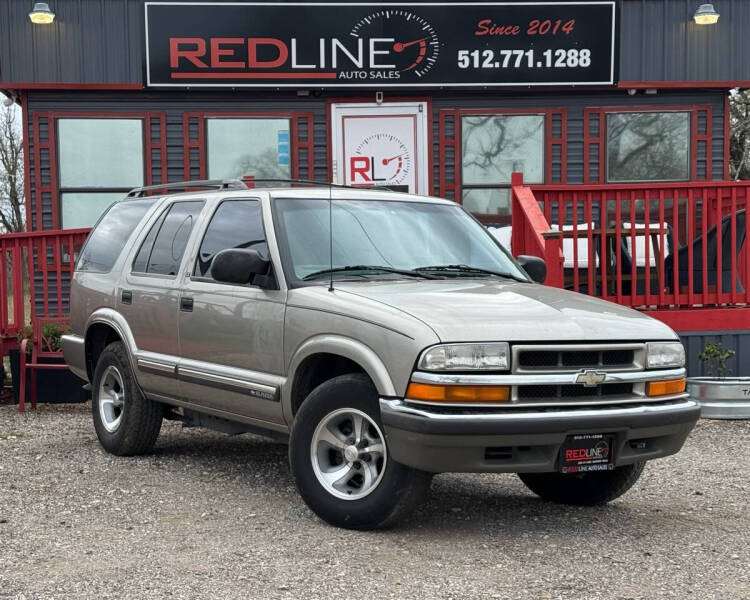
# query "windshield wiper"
(468, 269)
(375, 268)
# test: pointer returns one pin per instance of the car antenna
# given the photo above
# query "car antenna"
(330, 232)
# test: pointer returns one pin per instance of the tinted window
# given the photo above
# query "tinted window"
(164, 245)
(235, 224)
(141, 260)
(108, 238)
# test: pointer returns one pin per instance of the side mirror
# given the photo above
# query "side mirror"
(534, 266)
(238, 265)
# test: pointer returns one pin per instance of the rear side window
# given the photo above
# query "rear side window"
(162, 249)
(235, 224)
(106, 241)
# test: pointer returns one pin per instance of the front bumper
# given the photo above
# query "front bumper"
(528, 439)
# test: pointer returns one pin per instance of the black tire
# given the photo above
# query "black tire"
(400, 489)
(584, 489)
(141, 418)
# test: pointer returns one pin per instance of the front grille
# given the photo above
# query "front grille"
(551, 392)
(575, 357)
(578, 359)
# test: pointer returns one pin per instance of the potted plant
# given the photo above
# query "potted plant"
(720, 396)
(52, 386)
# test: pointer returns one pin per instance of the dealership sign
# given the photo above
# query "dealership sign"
(490, 44)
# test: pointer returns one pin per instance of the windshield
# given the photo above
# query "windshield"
(399, 236)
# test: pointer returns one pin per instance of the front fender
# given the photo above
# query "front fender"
(347, 347)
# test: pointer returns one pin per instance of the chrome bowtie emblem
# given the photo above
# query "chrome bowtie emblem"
(591, 378)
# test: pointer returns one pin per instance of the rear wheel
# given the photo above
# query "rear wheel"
(340, 462)
(126, 422)
(584, 489)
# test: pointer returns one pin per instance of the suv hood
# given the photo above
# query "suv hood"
(461, 310)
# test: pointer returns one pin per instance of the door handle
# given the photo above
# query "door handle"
(127, 297)
(186, 304)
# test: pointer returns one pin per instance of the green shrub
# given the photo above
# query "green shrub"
(714, 358)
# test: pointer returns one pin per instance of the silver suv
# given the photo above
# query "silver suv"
(386, 336)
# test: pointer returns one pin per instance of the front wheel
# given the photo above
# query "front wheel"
(339, 458)
(584, 489)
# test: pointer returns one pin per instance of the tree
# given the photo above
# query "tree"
(12, 200)
(739, 136)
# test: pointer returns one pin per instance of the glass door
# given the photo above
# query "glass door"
(381, 145)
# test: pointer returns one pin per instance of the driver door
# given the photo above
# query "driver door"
(230, 336)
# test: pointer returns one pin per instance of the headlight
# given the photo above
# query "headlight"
(466, 357)
(664, 354)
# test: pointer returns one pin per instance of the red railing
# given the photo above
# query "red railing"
(35, 277)
(653, 247)
(646, 246)
(529, 225)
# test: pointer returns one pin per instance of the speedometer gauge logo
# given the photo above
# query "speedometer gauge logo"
(415, 41)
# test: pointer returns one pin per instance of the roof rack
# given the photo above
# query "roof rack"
(218, 184)
(237, 184)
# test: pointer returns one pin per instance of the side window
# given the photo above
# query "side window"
(111, 234)
(162, 250)
(235, 224)
(141, 260)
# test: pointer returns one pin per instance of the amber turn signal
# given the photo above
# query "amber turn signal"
(426, 392)
(663, 388)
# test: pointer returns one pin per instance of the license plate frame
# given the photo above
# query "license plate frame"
(587, 452)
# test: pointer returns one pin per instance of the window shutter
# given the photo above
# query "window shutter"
(449, 155)
(193, 145)
(45, 209)
(155, 130)
(593, 145)
(701, 150)
(556, 151)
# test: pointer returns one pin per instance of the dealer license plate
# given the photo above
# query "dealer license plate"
(587, 452)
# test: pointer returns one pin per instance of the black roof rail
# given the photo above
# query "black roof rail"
(217, 184)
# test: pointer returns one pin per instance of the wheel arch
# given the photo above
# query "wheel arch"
(105, 326)
(323, 357)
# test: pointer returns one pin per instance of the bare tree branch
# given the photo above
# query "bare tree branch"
(12, 195)
(739, 136)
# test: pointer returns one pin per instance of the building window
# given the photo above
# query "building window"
(493, 147)
(648, 146)
(258, 147)
(99, 161)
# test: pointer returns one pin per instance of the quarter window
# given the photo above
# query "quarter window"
(162, 249)
(235, 224)
(110, 235)
(258, 147)
(648, 146)
(493, 147)
(99, 161)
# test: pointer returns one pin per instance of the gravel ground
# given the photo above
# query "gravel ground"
(211, 516)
